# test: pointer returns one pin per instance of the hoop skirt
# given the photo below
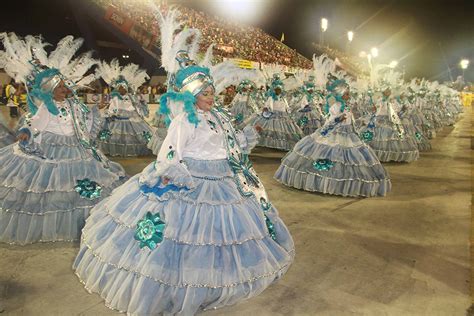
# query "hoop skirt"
(47, 196)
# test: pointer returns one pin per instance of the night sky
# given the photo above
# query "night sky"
(425, 36)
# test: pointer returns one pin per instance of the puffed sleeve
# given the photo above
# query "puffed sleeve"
(247, 138)
(169, 163)
(37, 123)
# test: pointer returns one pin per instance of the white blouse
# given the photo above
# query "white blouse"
(276, 105)
(61, 124)
(124, 105)
(206, 141)
(335, 111)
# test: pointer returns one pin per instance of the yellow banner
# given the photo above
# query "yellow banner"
(242, 63)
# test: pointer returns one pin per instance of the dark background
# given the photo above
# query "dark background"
(425, 36)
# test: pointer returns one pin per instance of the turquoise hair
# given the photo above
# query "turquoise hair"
(188, 100)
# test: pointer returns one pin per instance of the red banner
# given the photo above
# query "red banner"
(118, 19)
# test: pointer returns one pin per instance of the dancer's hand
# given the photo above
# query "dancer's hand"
(258, 128)
(165, 180)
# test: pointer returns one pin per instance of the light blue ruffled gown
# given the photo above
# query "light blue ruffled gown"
(49, 184)
(206, 239)
(308, 114)
(125, 133)
(279, 130)
(334, 160)
(242, 107)
(389, 139)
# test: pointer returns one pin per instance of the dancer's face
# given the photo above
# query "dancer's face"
(346, 95)
(122, 90)
(205, 99)
(60, 92)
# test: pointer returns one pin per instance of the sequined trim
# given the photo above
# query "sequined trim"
(39, 241)
(18, 152)
(35, 192)
(338, 161)
(396, 152)
(138, 135)
(106, 303)
(335, 179)
(120, 144)
(183, 285)
(60, 145)
(45, 213)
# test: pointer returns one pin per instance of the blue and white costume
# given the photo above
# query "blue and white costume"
(194, 230)
(334, 160)
(279, 130)
(49, 183)
(125, 133)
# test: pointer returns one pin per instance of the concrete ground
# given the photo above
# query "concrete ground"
(405, 254)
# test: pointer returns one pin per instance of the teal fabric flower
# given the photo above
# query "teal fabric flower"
(239, 118)
(303, 121)
(367, 136)
(146, 135)
(105, 134)
(149, 231)
(323, 164)
(88, 189)
(418, 136)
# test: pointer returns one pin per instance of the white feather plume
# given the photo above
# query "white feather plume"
(322, 66)
(19, 54)
(131, 72)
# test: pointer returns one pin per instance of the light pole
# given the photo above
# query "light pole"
(464, 64)
(324, 27)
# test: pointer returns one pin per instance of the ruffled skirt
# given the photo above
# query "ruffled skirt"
(6, 137)
(127, 137)
(309, 120)
(389, 146)
(339, 163)
(216, 248)
(240, 112)
(39, 198)
(279, 130)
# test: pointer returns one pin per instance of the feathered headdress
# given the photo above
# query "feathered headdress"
(26, 60)
(129, 76)
(322, 67)
(189, 75)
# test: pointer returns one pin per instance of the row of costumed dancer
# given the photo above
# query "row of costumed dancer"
(195, 230)
(351, 126)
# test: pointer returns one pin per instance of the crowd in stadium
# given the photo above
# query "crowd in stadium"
(231, 40)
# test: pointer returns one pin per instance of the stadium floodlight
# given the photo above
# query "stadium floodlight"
(350, 36)
(374, 51)
(324, 24)
(464, 63)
